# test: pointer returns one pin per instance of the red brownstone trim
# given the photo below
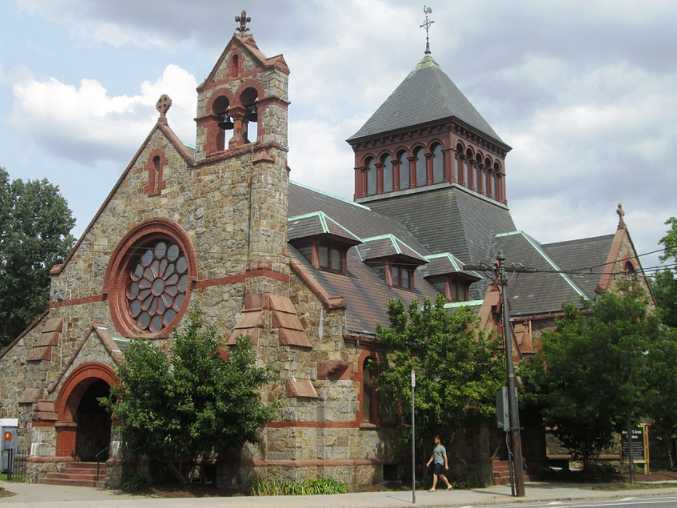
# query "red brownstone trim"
(114, 284)
(69, 398)
(241, 277)
(330, 302)
(156, 181)
(240, 150)
(54, 304)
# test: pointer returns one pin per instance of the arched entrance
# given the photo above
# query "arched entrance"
(84, 426)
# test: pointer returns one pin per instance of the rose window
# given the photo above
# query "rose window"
(157, 285)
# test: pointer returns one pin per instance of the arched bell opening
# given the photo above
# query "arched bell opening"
(224, 122)
(250, 123)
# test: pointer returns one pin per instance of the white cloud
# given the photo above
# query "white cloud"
(85, 123)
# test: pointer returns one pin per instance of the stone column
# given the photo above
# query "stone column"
(412, 172)
(448, 155)
(429, 168)
(237, 114)
(379, 177)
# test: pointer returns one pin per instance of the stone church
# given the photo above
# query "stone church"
(305, 275)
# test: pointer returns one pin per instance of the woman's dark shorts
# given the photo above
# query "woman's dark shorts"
(438, 469)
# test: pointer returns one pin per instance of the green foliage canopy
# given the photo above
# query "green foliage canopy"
(590, 378)
(665, 283)
(458, 369)
(35, 222)
(191, 404)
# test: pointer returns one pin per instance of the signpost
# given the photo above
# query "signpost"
(413, 436)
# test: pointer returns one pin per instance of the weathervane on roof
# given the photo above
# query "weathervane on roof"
(243, 19)
(426, 24)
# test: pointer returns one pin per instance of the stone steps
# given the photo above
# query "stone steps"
(78, 474)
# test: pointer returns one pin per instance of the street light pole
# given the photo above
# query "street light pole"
(413, 436)
(513, 406)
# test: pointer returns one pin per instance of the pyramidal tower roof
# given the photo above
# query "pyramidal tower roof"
(426, 94)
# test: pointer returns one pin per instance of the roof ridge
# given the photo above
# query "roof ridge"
(539, 248)
(588, 238)
(324, 193)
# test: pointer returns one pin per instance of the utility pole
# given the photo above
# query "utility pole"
(513, 407)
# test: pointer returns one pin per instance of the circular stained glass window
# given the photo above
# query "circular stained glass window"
(157, 285)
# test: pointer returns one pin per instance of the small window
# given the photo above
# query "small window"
(387, 174)
(438, 164)
(329, 257)
(335, 260)
(404, 171)
(421, 168)
(459, 291)
(323, 253)
(402, 276)
(371, 177)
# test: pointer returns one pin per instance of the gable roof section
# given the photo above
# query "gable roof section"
(173, 139)
(535, 293)
(425, 95)
(247, 42)
(316, 224)
(388, 245)
(445, 263)
(450, 219)
(574, 255)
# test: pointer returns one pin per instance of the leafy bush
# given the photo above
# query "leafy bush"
(277, 487)
(133, 482)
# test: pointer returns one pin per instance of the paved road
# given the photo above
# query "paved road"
(648, 501)
(541, 495)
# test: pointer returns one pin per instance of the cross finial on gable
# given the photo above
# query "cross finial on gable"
(242, 19)
(426, 24)
(163, 104)
(621, 215)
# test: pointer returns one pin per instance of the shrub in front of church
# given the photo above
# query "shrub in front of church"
(310, 487)
(458, 371)
(190, 407)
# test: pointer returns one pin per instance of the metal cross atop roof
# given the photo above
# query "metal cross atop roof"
(243, 19)
(426, 24)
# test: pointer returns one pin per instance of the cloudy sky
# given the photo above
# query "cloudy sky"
(584, 92)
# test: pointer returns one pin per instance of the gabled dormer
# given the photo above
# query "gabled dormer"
(394, 260)
(427, 134)
(243, 100)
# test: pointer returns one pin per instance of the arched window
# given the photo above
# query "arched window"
(369, 400)
(629, 268)
(371, 177)
(491, 178)
(404, 170)
(458, 167)
(387, 173)
(421, 169)
(468, 175)
(498, 192)
(479, 174)
(220, 110)
(438, 164)
(250, 123)
(235, 65)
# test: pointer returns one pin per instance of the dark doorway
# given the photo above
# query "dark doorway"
(94, 424)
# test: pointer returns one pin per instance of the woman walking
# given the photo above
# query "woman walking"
(440, 463)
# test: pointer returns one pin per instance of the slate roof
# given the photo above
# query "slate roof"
(536, 293)
(445, 228)
(451, 219)
(575, 254)
(425, 95)
(319, 224)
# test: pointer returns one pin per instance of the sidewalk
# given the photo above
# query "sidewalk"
(80, 497)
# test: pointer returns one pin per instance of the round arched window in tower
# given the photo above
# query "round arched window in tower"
(157, 286)
(149, 280)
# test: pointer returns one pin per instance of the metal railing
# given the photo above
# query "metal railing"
(98, 460)
(15, 465)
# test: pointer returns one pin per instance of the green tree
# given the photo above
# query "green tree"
(191, 405)
(665, 282)
(590, 378)
(35, 222)
(458, 368)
